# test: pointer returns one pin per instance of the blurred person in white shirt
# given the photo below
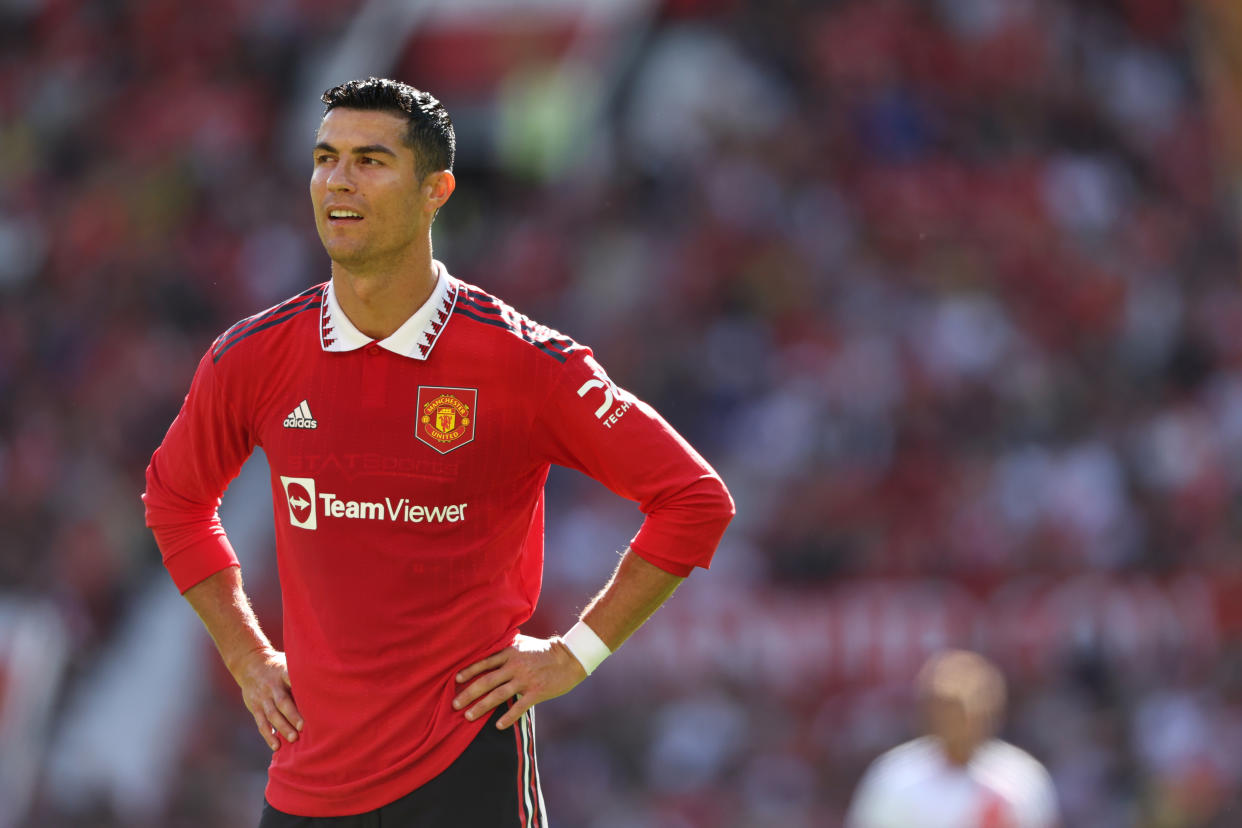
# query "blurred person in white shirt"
(959, 775)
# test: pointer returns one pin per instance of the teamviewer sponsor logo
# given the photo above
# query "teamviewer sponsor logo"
(300, 494)
(303, 512)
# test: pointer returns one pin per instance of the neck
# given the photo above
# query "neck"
(380, 300)
(957, 752)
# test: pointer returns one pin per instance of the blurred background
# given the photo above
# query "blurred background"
(947, 290)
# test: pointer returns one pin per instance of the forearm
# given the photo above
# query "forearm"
(258, 669)
(635, 591)
(221, 603)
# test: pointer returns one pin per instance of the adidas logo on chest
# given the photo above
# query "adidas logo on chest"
(301, 417)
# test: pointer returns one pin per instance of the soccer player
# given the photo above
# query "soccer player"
(959, 775)
(409, 420)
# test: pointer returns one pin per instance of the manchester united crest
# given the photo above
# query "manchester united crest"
(446, 416)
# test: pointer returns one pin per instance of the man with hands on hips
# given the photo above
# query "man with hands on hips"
(409, 420)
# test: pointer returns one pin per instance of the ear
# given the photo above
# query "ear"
(437, 187)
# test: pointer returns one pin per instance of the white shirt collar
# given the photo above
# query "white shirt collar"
(414, 339)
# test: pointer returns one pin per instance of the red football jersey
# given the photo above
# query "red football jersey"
(407, 480)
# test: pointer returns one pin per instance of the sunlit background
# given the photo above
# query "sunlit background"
(948, 291)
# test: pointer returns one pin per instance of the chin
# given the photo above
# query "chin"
(345, 254)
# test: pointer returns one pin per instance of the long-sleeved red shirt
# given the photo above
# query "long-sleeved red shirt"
(407, 480)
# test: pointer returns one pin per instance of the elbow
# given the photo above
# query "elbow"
(716, 511)
(729, 509)
(150, 496)
(717, 503)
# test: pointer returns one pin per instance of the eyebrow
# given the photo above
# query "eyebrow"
(366, 149)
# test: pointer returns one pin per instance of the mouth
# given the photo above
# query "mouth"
(340, 216)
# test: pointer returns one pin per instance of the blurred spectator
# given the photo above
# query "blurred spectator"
(959, 775)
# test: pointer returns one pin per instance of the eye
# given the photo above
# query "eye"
(322, 158)
(366, 159)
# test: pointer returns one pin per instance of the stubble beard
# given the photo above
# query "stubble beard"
(364, 258)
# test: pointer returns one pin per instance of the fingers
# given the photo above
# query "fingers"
(489, 702)
(265, 691)
(515, 712)
(278, 721)
(492, 679)
(284, 703)
(265, 730)
(484, 684)
(489, 663)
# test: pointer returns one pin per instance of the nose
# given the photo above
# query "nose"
(339, 177)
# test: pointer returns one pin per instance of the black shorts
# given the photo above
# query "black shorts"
(493, 784)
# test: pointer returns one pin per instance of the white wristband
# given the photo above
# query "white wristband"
(586, 646)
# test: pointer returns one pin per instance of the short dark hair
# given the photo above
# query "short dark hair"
(429, 129)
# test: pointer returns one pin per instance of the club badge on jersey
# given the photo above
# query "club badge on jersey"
(446, 416)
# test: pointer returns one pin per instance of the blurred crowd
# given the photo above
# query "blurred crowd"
(947, 290)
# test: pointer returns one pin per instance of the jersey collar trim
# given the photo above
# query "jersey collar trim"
(414, 339)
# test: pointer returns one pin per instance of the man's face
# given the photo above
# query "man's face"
(365, 188)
